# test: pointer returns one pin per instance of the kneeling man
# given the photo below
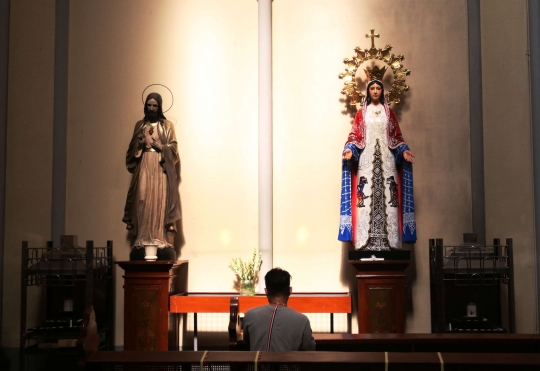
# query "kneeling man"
(275, 327)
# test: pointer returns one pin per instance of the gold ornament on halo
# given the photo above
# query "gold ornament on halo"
(362, 55)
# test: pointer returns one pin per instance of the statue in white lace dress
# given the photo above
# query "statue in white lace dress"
(373, 215)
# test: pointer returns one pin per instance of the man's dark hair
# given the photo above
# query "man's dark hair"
(278, 282)
(158, 99)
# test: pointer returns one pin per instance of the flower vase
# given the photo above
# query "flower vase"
(247, 288)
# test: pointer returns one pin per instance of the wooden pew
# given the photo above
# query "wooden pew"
(312, 361)
(455, 343)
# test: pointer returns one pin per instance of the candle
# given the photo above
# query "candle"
(471, 310)
(68, 305)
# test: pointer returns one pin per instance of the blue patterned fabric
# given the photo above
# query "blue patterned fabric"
(407, 196)
(345, 218)
(409, 221)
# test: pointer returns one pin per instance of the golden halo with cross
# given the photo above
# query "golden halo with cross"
(356, 96)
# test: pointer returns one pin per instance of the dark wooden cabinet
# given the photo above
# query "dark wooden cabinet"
(67, 279)
(148, 325)
(381, 294)
(472, 286)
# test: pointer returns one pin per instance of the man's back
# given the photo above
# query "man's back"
(291, 330)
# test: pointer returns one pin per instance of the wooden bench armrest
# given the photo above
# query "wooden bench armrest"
(234, 328)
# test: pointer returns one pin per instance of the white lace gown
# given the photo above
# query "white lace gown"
(377, 224)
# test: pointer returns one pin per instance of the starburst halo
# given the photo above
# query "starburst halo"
(373, 55)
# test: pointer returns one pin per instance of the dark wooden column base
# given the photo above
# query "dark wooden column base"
(147, 286)
(381, 294)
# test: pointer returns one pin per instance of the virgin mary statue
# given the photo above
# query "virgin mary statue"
(377, 204)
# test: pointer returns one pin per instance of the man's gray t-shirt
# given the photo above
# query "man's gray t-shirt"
(291, 329)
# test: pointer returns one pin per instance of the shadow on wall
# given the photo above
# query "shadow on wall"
(402, 107)
(348, 110)
(408, 290)
(348, 278)
(179, 239)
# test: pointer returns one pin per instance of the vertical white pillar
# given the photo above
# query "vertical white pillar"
(265, 139)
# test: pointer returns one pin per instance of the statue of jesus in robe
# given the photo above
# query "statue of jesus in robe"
(153, 201)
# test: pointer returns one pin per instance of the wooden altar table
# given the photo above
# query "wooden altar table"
(234, 304)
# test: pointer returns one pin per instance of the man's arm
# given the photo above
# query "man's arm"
(308, 342)
(245, 332)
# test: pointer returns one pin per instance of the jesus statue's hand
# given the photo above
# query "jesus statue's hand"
(156, 144)
(408, 156)
(347, 154)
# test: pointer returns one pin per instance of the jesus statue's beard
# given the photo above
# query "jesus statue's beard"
(152, 116)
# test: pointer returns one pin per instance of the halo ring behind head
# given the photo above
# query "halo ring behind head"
(169, 90)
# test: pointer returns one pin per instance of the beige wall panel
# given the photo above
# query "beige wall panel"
(507, 146)
(311, 38)
(206, 53)
(29, 149)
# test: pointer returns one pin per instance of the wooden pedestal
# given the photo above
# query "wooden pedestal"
(381, 295)
(147, 286)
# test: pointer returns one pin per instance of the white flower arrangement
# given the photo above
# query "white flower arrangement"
(247, 270)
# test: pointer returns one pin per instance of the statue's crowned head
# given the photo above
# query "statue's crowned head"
(149, 114)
